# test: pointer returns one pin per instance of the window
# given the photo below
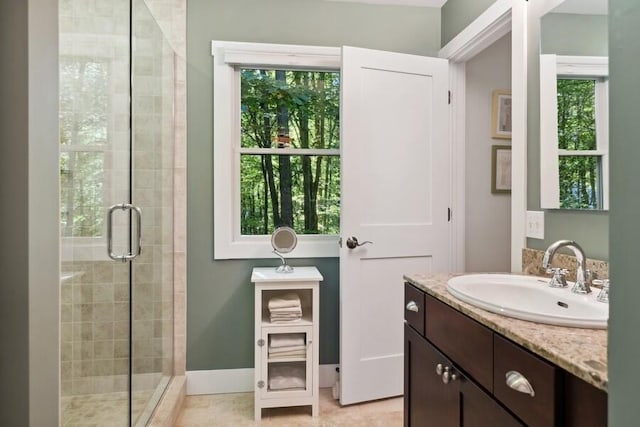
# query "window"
(580, 150)
(84, 114)
(276, 148)
(574, 146)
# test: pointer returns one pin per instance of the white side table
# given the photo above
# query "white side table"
(273, 387)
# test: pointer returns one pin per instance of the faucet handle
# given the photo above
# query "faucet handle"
(559, 279)
(603, 296)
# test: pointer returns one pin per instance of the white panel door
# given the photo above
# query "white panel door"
(395, 193)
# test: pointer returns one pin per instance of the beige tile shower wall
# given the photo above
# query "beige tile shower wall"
(94, 327)
(171, 16)
(153, 191)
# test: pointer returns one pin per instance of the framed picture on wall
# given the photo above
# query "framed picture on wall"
(501, 114)
(500, 169)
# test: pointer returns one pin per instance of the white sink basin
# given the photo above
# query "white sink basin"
(530, 298)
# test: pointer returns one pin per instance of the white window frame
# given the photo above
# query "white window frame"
(228, 57)
(552, 67)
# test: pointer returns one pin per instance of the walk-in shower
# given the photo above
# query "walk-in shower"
(117, 87)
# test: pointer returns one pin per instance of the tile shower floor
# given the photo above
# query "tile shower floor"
(236, 410)
(99, 410)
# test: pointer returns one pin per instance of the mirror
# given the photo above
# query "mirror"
(574, 161)
(283, 241)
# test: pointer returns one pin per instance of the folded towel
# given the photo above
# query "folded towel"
(287, 300)
(286, 315)
(286, 310)
(288, 354)
(285, 340)
(282, 321)
(286, 377)
(285, 349)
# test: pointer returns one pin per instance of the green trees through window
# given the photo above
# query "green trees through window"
(579, 172)
(289, 148)
(84, 118)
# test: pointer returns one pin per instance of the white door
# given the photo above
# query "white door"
(395, 193)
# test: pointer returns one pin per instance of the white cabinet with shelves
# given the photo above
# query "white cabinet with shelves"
(287, 307)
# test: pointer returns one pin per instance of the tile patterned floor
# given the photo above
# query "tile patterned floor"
(236, 410)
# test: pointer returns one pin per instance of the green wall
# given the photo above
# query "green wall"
(572, 34)
(219, 294)
(457, 14)
(624, 321)
(589, 229)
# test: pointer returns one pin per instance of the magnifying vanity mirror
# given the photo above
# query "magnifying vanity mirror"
(574, 146)
(283, 241)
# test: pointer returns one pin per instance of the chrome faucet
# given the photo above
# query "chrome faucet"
(581, 286)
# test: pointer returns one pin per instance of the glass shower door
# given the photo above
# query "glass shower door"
(116, 149)
(95, 174)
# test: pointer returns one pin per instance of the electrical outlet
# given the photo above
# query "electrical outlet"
(535, 224)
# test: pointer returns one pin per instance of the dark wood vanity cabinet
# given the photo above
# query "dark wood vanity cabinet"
(430, 401)
(476, 360)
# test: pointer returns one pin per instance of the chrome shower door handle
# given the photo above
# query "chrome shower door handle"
(138, 214)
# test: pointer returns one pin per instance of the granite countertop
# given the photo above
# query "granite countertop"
(582, 352)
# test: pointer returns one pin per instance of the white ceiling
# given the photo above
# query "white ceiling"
(584, 7)
(421, 3)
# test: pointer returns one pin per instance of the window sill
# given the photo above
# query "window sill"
(259, 247)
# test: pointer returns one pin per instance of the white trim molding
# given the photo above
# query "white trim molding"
(219, 381)
(228, 56)
(519, 78)
(551, 67)
(499, 19)
(490, 26)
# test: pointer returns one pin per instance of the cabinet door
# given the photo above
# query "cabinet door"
(287, 371)
(480, 410)
(428, 401)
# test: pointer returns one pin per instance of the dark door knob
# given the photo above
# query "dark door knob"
(352, 242)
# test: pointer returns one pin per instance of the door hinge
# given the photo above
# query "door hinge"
(449, 214)
(449, 97)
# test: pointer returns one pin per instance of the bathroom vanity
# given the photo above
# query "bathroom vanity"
(465, 366)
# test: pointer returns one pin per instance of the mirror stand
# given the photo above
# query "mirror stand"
(284, 267)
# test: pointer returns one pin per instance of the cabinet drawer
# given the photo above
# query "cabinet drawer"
(541, 409)
(465, 341)
(414, 307)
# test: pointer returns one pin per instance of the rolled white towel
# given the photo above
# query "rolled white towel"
(287, 300)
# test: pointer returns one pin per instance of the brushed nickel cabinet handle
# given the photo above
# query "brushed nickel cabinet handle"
(412, 306)
(519, 382)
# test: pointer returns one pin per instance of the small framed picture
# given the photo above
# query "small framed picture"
(501, 114)
(500, 169)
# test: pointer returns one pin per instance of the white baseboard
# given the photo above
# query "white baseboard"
(240, 380)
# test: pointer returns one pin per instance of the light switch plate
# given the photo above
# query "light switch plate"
(535, 224)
